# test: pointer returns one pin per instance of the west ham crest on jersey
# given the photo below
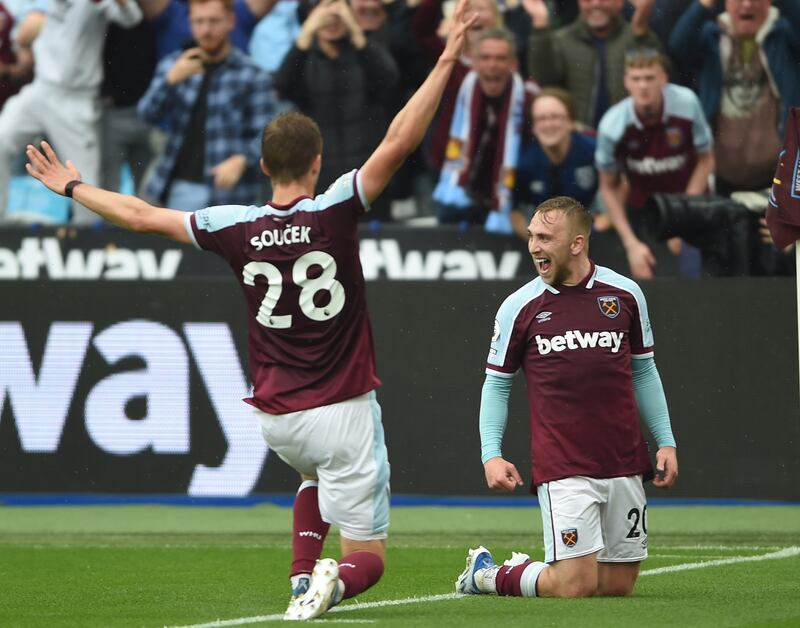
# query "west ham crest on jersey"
(609, 306)
(674, 137)
(569, 536)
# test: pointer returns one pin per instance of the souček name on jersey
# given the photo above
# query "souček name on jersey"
(576, 339)
(291, 234)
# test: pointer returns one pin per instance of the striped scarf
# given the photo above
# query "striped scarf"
(451, 188)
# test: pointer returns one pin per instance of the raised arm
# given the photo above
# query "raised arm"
(259, 8)
(641, 16)
(126, 13)
(153, 8)
(410, 124)
(125, 211)
(684, 40)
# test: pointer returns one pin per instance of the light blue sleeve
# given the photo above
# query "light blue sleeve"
(702, 136)
(651, 401)
(609, 132)
(494, 414)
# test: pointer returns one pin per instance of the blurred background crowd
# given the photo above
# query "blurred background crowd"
(665, 117)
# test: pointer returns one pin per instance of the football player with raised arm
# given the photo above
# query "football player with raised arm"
(581, 335)
(310, 345)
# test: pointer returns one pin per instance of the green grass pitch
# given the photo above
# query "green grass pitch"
(155, 566)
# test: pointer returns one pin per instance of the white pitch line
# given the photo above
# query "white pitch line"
(784, 553)
(407, 600)
(241, 621)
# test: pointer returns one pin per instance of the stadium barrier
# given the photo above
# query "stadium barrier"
(122, 362)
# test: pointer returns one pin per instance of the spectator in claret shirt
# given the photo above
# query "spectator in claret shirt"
(655, 141)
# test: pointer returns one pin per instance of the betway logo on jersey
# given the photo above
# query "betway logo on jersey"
(43, 257)
(652, 165)
(576, 339)
(293, 234)
(384, 259)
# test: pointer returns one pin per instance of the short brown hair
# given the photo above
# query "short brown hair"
(644, 57)
(578, 216)
(228, 4)
(502, 34)
(561, 95)
(289, 145)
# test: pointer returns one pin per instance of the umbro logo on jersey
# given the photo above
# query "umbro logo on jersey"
(575, 339)
(543, 317)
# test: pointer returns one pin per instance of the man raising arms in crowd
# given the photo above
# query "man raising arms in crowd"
(310, 344)
(581, 334)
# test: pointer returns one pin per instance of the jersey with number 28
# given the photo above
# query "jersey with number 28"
(310, 341)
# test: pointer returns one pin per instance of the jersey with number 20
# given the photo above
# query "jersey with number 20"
(310, 341)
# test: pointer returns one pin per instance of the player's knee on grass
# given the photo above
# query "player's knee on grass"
(616, 579)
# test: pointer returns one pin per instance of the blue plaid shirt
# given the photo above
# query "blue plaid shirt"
(240, 103)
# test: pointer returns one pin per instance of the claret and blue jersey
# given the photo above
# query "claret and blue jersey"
(310, 341)
(657, 158)
(583, 338)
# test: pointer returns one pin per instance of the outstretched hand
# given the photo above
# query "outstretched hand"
(45, 166)
(457, 36)
(501, 475)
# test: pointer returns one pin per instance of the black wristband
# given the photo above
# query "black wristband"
(71, 186)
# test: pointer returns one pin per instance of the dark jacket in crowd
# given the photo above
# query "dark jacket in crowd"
(345, 96)
(567, 58)
(694, 44)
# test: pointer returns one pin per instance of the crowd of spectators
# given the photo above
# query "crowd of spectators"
(606, 100)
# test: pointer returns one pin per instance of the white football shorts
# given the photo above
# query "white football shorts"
(582, 515)
(342, 445)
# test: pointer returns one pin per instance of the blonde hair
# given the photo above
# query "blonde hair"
(578, 216)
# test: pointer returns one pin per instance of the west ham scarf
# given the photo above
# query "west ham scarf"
(451, 188)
